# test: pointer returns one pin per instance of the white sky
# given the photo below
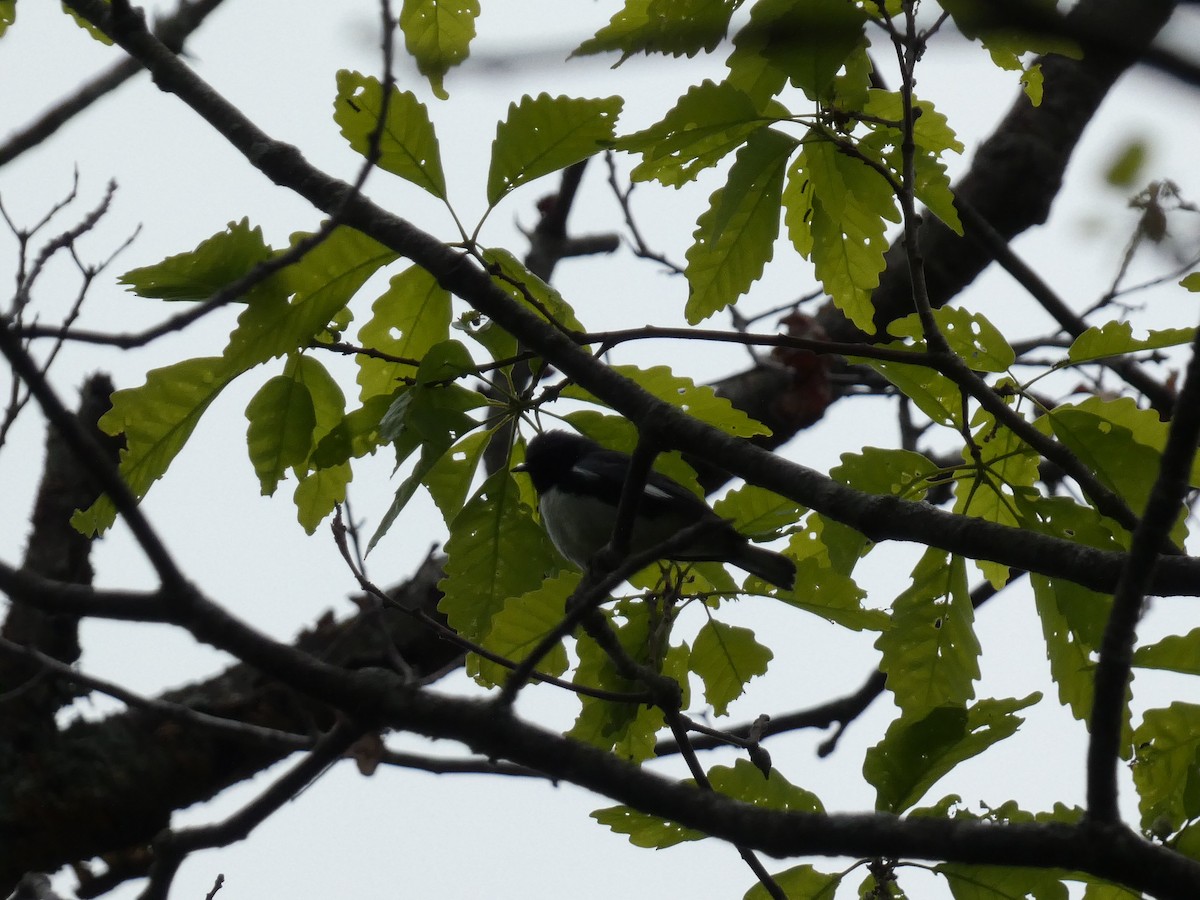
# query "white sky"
(409, 834)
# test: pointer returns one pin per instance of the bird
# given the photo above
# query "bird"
(579, 484)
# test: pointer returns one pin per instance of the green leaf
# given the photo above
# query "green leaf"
(449, 479)
(431, 415)
(357, 434)
(1120, 443)
(825, 589)
(627, 729)
(698, 401)
(932, 392)
(1176, 653)
(280, 434)
(1001, 465)
(198, 274)
(1191, 282)
(156, 419)
(645, 830)
(520, 624)
(929, 652)
(495, 551)
(932, 137)
(913, 755)
(726, 657)
(512, 276)
(545, 134)
(971, 336)
(1116, 338)
(438, 35)
(974, 882)
(707, 123)
(1007, 43)
(87, 26)
(800, 881)
(1166, 768)
(744, 781)
(319, 492)
(808, 41)
(836, 212)
(8, 15)
(1073, 620)
(898, 473)
(408, 146)
(677, 27)
(407, 319)
(757, 512)
(320, 286)
(735, 237)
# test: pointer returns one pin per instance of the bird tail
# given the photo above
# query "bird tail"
(767, 565)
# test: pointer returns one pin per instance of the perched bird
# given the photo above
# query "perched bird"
(579, 485)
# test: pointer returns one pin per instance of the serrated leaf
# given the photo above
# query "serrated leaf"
(825, 589)
(645, 830)
(495, 551)
(1175, 652)
(280, 432)
(970, 335)
(699, 401)
(929, 652)
(431, 415)
(899, 473)
(407, 319)
(975, 882)
(87, 26)
(530, 291)
(677, 27)
(1000, 466)
(809, 42)
(521, 623)
(1120, 443)
(726, 657)
(320, 286)
(288, 416)
(745, 782)
(836, 209)
(800, 881)
(156, 419)
(1072, 620)
(1166, 767)
(449, 479)
(438, 35)
(735, 237)
(1116, 338)
(408, 145)
(628, 729)
(758, 512)
(913, 755)
(357, 434)
(319, 492)
(933, 393)
(1005, 41)
(706, 123)
(932, 137)
(545, 134)
(198, 274)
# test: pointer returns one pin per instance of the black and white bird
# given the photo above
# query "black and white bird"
(579, 485)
